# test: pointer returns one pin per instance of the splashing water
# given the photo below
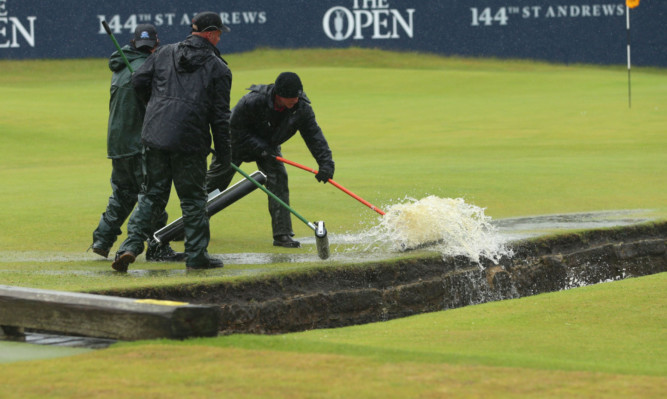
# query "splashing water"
(450, 226)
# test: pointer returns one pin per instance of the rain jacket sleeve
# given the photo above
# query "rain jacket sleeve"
(247, 115)
(220, 118)
(142, 78)
(314, 138)
(126, 110)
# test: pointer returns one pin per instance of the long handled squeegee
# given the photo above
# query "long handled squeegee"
(338, 186)
(122, 54)
(321, 240)
(213, 205)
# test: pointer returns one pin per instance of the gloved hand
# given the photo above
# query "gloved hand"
(264, 151)
(267, 155)
(325, 173)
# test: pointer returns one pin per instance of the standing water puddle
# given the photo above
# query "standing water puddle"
(449, 226)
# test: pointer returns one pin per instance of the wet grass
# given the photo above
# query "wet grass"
(97, 275)
(600, 341)
(516, 138)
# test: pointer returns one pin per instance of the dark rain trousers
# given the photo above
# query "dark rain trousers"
(187, 171)
(219, 176)
(126, 180)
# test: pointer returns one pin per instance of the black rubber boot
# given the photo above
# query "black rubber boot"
(213, 263)
(157, 252)
(123, 260)
(285, 241)
(100, 249)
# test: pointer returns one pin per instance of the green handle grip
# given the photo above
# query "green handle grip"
(309, 224)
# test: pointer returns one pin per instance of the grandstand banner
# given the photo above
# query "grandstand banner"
(567, 31)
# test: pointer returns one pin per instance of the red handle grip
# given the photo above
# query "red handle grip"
(343, 189)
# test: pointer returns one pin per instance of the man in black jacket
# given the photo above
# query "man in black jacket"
(126, 115)
(263, 119)
(187, 86)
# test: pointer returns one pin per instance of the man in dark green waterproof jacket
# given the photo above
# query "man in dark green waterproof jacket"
(126, 116)
(187, 85)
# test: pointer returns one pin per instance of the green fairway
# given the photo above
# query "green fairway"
(600, 341)
(514, 137)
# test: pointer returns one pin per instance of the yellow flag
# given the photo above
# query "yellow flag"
(632, 3)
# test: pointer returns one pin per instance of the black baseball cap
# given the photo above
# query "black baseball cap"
(288, 85)
(208, 21)
(145, 35)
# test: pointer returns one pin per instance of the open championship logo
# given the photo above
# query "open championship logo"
(368, 17)
(11, 29)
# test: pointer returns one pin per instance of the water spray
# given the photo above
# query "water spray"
(321, 239)
(450, 226)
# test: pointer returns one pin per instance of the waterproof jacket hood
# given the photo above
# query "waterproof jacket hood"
(192, 54)
(187, 87)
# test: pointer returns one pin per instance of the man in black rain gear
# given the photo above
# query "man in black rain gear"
(187, 86)
(126, 115)
(262, 120)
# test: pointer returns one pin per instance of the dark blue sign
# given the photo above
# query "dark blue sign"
(568, 31)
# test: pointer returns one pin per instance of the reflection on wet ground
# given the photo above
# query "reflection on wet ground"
(351, 247)
(40, 338)
(534, 226)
